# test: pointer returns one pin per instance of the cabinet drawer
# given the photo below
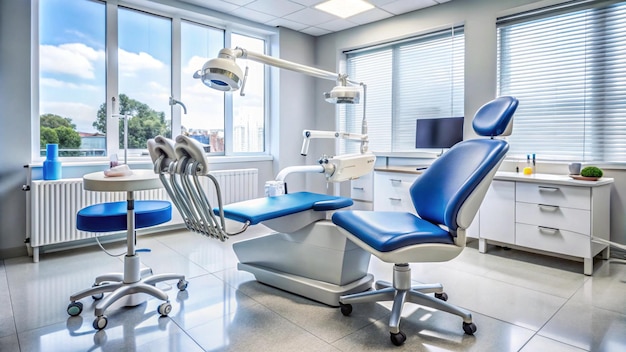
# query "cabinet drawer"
(564, 196)
(553, 240)
(391, 191)
(575, 220)
(363, 188)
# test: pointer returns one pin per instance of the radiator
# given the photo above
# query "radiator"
(54, 204)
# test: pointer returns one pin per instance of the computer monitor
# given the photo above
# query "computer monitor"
(438, 133)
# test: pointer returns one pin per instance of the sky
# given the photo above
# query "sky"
(72, 63)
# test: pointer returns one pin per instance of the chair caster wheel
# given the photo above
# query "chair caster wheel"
(164, 309)
(469, 328)
(398, 339)
(346, 309)
(100, 322)
(182, 285)
(442, 296)
(74, 308)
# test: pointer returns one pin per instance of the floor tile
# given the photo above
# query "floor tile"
(7, 319)
(205, 299)
(540, 343)
(587, 327)
(429, 330)
(513, 304)
(127, 332)
(606, 289)
(9, 343)
(256, 328)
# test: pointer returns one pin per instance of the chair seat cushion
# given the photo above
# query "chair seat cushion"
(107, 217)
(267, 208)
(388, 231)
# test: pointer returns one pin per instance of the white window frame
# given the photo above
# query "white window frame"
(182, 11)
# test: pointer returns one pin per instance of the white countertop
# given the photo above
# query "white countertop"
(550, 178)
(140, 180)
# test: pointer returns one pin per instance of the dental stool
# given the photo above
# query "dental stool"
(110, 217)
(446, 198)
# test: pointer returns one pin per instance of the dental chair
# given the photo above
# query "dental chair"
(306, 254)
(446, 198)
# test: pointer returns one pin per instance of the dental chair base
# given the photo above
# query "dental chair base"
(307, 255)
(316, 262)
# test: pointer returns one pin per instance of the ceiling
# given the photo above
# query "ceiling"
(302, 16)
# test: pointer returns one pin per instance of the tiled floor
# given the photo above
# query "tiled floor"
(519, 301)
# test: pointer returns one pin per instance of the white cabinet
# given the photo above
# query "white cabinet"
(362, 192)
(391, 191)
(497, 213)
(550, 213)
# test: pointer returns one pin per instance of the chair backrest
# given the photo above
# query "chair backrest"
(465, 171)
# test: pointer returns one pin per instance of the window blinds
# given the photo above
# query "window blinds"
(567, 67)
(417, 78)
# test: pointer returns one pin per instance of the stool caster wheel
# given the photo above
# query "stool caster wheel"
(74, 308)
(97, 296)
(442, 296)
(182, 285)
(469, 328)
(346, 309)
(398, 339)
(100, 322)
(164, 309)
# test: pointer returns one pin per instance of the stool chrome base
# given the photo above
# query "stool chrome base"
(125, 290)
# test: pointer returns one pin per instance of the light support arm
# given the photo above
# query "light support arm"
(311, 134)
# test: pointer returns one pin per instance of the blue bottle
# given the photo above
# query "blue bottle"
(52, 165)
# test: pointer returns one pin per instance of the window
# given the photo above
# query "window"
(72, 71)
(566, 65)
(249, 111)
(198, 43)
(85, 95)
(417, 78)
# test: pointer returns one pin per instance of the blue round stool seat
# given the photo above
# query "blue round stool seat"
(107, 217)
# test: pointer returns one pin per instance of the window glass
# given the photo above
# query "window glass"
(249, 110)
(418, 78)
(144, 77)
(204, 120)
(567, 70)
(74, 93)
(71, 76)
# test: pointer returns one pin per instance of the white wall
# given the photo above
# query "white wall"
(479, 17)
(15, 120)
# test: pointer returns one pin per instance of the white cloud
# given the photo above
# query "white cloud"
(55, 83)
(130, 63)
(194, 64)
(72, 58)
(82, 115)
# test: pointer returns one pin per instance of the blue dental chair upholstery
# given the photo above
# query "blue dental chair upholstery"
(446, 198)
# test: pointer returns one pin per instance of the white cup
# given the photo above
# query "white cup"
(574, 168)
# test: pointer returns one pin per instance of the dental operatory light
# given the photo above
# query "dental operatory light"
(344, 8)
(223, 73)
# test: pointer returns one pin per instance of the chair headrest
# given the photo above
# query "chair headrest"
(496, 117)
(189, 147)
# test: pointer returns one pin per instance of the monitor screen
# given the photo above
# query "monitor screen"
(438, 133)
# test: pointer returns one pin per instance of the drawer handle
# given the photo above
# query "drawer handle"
(395, 180)
(358, 188)
(546, 207)
(396, 199)
(548, 189)
(550, 230)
